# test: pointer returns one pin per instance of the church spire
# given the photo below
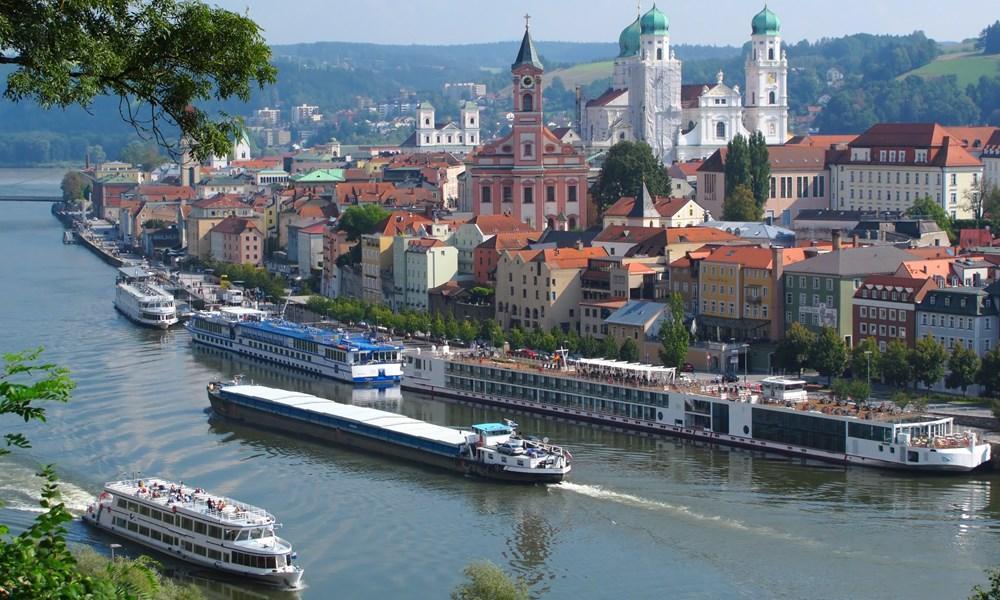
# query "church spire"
(527, 55)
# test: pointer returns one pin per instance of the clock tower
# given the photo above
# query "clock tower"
(766, 95)
(528, 123)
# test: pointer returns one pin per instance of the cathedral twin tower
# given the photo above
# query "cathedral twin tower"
(648, 102)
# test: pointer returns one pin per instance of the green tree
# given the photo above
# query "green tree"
(737, 167)
(608, 348)
(361, 219)
(451, 328)
(989, 39)
(740, 205)
(928, 208)
(486, 581)
(161, 58)
(97, 154)
(860, 361)
(927, 360)
(437, 326)
(989, 372)
(760, 169)
(828, 354)
(467, 331)
(75, 187)
(963, 365)
(674, 337)
(145, 155)
(629, 351)
(517, 339)
(895, 365)
(587, 346)
(627, 166)
(792, 353)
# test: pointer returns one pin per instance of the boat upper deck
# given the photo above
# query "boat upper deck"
(211, 507)
(259, 320)
(647, 378)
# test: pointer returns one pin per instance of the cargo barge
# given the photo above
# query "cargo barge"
(488, 450)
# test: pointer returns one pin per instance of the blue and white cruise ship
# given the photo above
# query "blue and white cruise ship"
(253, 333)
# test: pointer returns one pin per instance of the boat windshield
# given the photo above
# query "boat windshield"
(256, 533)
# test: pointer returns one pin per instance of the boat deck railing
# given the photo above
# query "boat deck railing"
(169, 494)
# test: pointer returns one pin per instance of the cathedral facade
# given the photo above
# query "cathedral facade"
(647, 100)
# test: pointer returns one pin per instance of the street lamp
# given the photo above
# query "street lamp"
(868, 355)
(113, 548)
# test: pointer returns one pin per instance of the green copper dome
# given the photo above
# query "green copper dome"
(628, 41)
(765, 23)
(654, 22)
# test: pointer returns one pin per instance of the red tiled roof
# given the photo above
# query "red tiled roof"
(970, 238)
(973, 138)
(689, 167)
(510, 241)
(421, 245)
(568, 258)
(691, 92)
(820, 141)
(257, 164)
(667, 207)
(494, 224)
(781, 158)
(153, 191)
(944, 148)
(220, 201)
(234, 225)
(315, 228)
(917, 286)
(403, 223)
(606, 98)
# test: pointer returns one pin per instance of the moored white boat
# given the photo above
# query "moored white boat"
(142, 301)
(777, 416)
(196, 526)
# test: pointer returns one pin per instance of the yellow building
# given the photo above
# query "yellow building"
(376, 253)
(206, 214)
(741, 293)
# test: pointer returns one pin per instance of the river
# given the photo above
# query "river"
(640, 517)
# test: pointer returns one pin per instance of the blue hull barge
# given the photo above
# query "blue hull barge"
(489, 450)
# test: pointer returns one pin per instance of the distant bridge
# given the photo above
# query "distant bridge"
(49, 199)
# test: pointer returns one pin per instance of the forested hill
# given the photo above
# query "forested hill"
(876, 86)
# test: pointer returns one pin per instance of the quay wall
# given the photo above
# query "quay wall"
(96, 249)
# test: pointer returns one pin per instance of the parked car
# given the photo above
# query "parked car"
(687, 368)
(511, 447)
(730, 377)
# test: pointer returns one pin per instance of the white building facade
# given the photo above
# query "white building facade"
(682, 122)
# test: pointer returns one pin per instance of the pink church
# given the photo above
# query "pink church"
(530, 173)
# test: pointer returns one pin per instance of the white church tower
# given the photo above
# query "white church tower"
(469, 114)
(766, 96)
(425, 124)
(655, 90)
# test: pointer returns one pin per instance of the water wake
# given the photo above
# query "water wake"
(21, 489)
(632, 500)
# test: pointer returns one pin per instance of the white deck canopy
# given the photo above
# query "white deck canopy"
(603, 367)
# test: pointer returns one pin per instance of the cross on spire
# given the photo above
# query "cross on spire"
(527, 18)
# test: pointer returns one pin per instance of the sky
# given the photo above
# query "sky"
(715, 22)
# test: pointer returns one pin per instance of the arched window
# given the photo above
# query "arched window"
(552, 223)
(771, 129)
(720, 130)
(427, 121)
(527, 103)
(771, 98)
(659, 54)
(472, 120)
(770, 54)
(755, 54)
(572, 223)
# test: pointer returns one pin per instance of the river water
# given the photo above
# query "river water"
(640, 518)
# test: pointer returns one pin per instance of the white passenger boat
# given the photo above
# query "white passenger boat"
(251, 332)
(142, 301)
(777, 415)
(196, 526)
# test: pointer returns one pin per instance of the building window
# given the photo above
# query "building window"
(529, 195)
(508, 194)
(659, 54)
(720, 130)
(527, 103)
(571, 193)
(486, 195)
(550, 193)
(528, 150)
(771, 97)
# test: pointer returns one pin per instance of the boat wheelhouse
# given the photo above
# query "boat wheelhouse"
(196, 526)
(142, 301)
(779, 418)
(251, 332)
(491, 450)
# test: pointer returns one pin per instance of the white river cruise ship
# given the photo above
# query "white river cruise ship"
(251, 332)
(196, 526)
(776, 415)
(142, 301)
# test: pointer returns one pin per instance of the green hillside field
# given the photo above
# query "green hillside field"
(966, 67)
